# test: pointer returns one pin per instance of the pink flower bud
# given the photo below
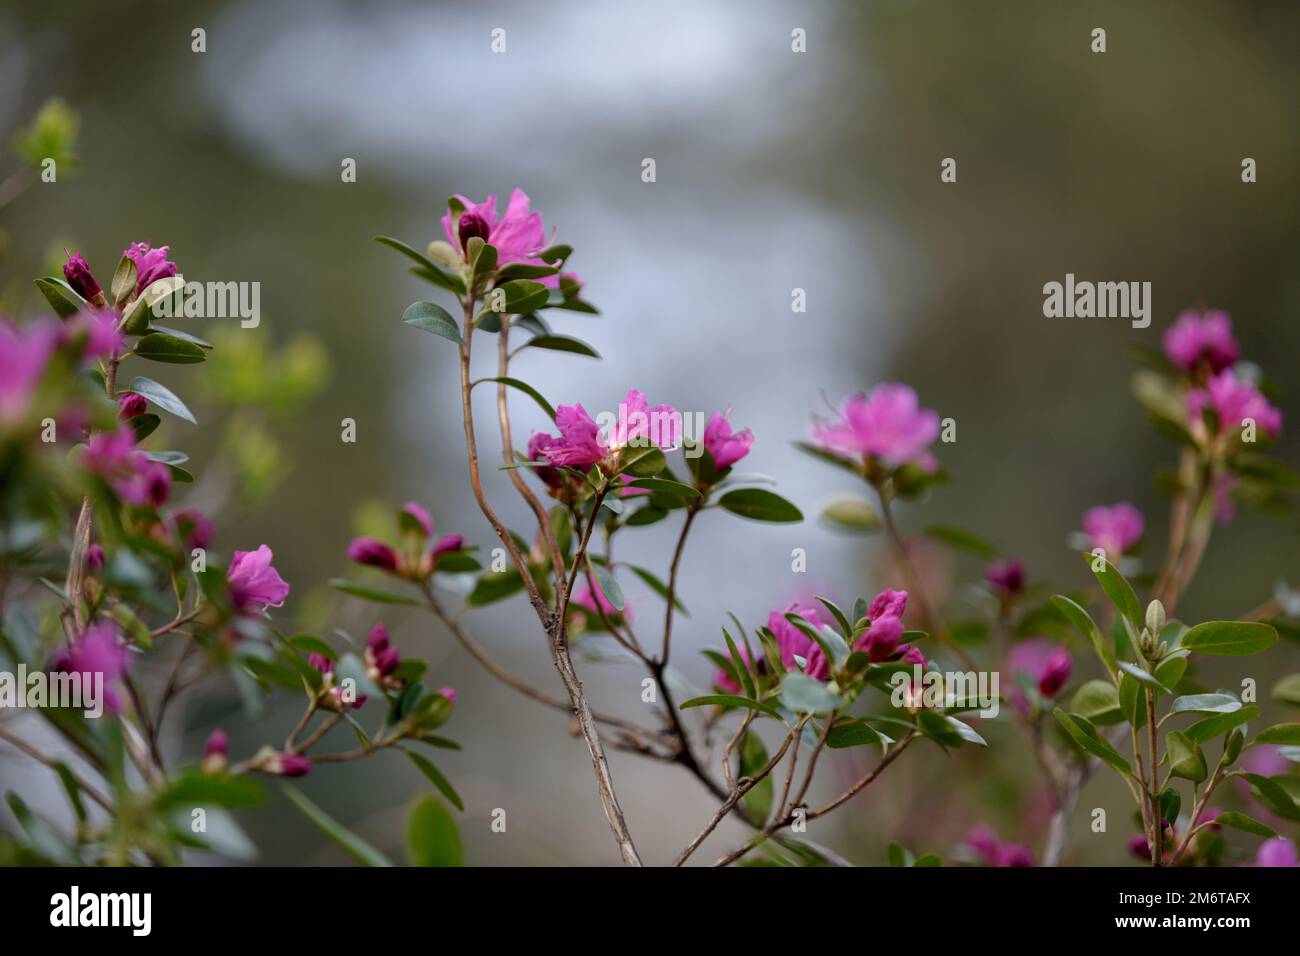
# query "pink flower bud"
(386, 661)
(1007, 577)
(1055, 672)
(888, 603)
(77, 272)
(215, 752)
(471, 224)
(449, 693)
(881, 639)
(373, 553)
(377, 640)
(321, 663)
(288, 765)
(194, 526)
(94, 557)
(129, 405)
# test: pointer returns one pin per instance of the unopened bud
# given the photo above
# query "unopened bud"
(471, 225)
(1155, 617)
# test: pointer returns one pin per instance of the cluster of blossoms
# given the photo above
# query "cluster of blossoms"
(518, 235)
(420, 553)
(990, 851)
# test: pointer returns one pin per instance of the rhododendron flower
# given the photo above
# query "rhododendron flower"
(584, 598)
(130, 404)
(286, 765)
(449, 693)
(518, 235)
(77, 271)
(108, 454)
(1006, 577)
(888, 425)
(1277, 852)
(254, 583)
(94, 333)
(725, 447)
(382, 657)
(148, 485)
(1233, 400)
(724, 681)
(792, 641)
(880, 640)
(98, 651)
(888, 603)
(1197, 338)
(150, 264)
(94, 557)
(537, 444)
(332, 696)
(1114, 529)
(1042, 663)
(419, 559)
(194, 527)
(991, 851)
(373, 553)
(24, 353)
(582, 443)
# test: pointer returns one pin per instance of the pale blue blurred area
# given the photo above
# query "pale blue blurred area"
(775, 171)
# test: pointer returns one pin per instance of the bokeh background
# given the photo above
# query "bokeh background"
(775, 170)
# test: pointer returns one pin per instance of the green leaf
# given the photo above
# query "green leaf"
(188, 337)
(732, 700)
(353, 845)
(1185, 757)
(852, 733)
(1084, 624)
(516, 297)
(759, 504)
(666, 486)
(528, 390)
(1205, 704)
(1280, 734)
(641, 461)
(1239, 821)
(59, 295)
(313, 645)
(494, 586)
(807, 695)
(1118, 589)
(1098, 700)
(821, 454)
(124, 282)
(1142, 677)
(372, 594)
(852, 514)
(522, 270)
(608, 585)
(436, 778)
(432, 838)
(753, 758)
(962, 541)
(561, 343)
(1132, 701)
(1169, 671)
(1272, 794)
(162, 396)
(482, 258)
(1230, 638)
(741, 668)
(1086, 736)
(198, 789)
(846, 628)
(144, 425)
(433, 318)
(428, 269)
(1287, 690)
(1211, 727)
(163, 347)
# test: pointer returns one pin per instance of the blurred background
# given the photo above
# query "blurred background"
(776, 170)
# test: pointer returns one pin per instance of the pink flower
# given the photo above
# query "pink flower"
(373, 553)
(1277, 852)
(1114, 529)
(448, 542)
(103, 338)
(421, 516)
(888, 603)
(725, 447)
(129, 405)
(1007, 578)
(287, 765)
(77, 272)
(108, 454)
(880, 641)
(216, 752)
(537, 445)
(1233, 401)
(1195, 338)
(98, 651)
(1042, 663)
(254, 583)
(382, 657)
(887, 425)
(449, 693)
(584, 599)
(94, 557)
(24, 353)
(518, 235)
(150, 264)
(148, 484)
(991, 851)
(194, 527)
(792, 641)
(582, 444)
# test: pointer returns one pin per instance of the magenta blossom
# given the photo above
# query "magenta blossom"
(449, 693)
(888, 603)
(95, 557)
(582, 443)
(1277, 852)
(888, 425)
(1006, 577)
(108, 454)
(287, 765)
(880, 640)
(991, 851)
(1114, 529)
(92, 334)
(518, 235)
(725, 447)
(553, 478)
(24, 353)
(373, 553)
(794, 642)
(1197, 338)
(382, 657)
(130, 404)
(254, 584)
(1039, 662)
(77, 271)
(724, 681)
(1233, 400)
(98, 651)
(194, 527)
(148, 484)
(216, 752)
(150, 264)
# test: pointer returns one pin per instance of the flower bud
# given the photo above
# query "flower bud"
(94, 557)
(216, 752)
(78, 274)
(1055, 672)
(1155, 617)
(471, 225)
(287, 765)
(129, 405)
(373, 553)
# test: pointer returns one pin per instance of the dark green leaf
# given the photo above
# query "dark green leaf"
(353, 845)
(433, 318)
(1230, 638)
(759, 504)
(162, 347)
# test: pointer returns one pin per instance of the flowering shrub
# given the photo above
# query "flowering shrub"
(881, 674)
